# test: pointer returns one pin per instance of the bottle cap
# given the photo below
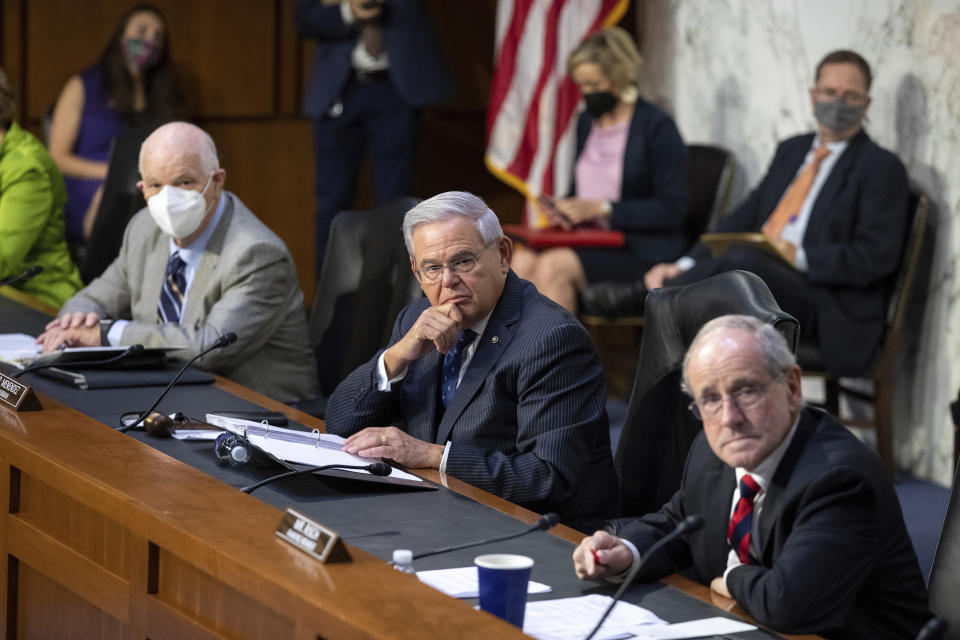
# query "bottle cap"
(402, 556)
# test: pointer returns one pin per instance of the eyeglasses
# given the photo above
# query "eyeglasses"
(852, 98)
(746, 398)
(460, 264)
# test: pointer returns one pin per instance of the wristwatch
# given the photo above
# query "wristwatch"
(105, 325)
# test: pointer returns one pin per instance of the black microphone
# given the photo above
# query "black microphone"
(935, 629)
(376, 468)
(129, 352)
(687, 525)
(26, 274)
(547, 521)
(225, 340)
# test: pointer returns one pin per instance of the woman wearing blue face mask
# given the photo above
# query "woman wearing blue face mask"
(131, 85)
(630, 175)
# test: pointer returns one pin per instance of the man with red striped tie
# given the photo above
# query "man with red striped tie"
(801, 523)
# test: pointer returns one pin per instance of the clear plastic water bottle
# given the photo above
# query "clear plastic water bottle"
(403, 560)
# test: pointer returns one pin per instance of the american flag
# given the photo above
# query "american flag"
(531, 124)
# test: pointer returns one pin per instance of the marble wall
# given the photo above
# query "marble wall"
(736, 73)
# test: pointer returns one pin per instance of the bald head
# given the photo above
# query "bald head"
(183, 141)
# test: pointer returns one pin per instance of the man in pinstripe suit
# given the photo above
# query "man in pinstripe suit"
(485, 379)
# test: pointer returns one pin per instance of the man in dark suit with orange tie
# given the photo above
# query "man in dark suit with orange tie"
(485, 378)
(836, 204)
(801, 523)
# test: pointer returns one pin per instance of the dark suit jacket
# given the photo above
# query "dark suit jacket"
(835, 556)
(854, 242)
(653, 195)
(417, 69)
(528, 421)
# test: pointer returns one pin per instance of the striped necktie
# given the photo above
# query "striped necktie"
(451, 365)
(741, 522)
(174, 286)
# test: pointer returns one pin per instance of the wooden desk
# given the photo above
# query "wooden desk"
(104, 536)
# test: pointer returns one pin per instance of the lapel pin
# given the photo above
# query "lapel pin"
(494, 339)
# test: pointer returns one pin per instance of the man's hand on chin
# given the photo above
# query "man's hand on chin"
(436, 328)
(397, 445)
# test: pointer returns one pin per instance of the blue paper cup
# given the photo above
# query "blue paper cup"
(503, 582)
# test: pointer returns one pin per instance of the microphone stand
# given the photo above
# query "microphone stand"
(688, 524)
(376, 468)
(221, 342)
(546, 521)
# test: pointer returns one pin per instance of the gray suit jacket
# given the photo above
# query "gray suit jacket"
(246, 283)
(528, 421)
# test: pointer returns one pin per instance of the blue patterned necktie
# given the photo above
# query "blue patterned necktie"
(451, 365)
(741, 522)
(171, 296)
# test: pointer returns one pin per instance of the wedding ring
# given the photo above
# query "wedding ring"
(383, 440)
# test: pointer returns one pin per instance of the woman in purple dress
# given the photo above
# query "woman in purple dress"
(131, 84)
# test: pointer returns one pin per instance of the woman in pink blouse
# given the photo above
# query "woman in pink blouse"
(630, 175)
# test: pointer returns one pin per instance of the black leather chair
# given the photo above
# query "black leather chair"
(944, 583)
(659, 429)
(121, 199)
(710, 172)
(904, 313)
(364, 282)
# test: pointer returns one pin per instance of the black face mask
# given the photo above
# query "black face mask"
(600, 103)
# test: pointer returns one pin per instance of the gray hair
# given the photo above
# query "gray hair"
(189, 137)
(448, 205)
(775, 350)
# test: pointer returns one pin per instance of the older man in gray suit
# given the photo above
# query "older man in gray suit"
(194, 265)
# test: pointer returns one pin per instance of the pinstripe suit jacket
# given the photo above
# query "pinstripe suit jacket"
(245, 283)
(528, 421)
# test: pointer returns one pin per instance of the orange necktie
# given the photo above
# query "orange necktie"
(792, 200)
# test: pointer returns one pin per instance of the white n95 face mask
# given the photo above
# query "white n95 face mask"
(177, 211)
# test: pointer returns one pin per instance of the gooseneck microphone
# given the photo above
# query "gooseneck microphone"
(223, 341)
(687, 525)
(935, 629)
(376, 468)
(23, 276)
(130, 352)
(547, 521)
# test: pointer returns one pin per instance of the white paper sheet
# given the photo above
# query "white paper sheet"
(196, 434)
(300, 447)
(17, 347)
(573, 618)
(707, 627)
(462, 582)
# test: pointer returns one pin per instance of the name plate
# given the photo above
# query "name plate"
(16, 396)
(310, 537)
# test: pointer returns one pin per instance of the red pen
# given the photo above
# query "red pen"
(596, 556)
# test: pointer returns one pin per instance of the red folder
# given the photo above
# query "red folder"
(545, 238)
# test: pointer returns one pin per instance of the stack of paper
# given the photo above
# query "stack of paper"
(17, 348)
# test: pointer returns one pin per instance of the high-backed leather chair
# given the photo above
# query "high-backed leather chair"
(904, 312)
(121, 199)
(944, 583)
(364, 282)
(710, 172)
(659, 429)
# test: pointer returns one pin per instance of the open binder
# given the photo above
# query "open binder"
(310, 448)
